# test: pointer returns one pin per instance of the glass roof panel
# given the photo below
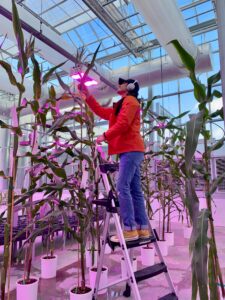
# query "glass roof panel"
(41, 6)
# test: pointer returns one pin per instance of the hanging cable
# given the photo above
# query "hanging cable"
(41, 17)
(161, 79)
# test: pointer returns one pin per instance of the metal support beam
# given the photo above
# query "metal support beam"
(104, 16)
(49, 42)
(220, 10)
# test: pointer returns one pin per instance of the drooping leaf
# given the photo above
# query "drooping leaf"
(217, 94)
(217, 145)
(48, 74)
(214, 78)
(216, 182)
(185, 57)
(12, 78)
(200, 254)
(193, 130)
(218, 112)
(36, 78)
(64, 86)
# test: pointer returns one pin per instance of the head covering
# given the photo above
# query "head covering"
(122, 80)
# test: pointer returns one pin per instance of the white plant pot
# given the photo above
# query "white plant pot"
(103, 279)
(169, 237)
(86, 296)
(147, 256)
(124, 269)
(27, 291)
(187, 232)
(163, 247)
(108, 250)
(88, 256)
(48, 267)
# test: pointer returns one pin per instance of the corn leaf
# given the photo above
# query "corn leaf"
(216, 182)
(200, 254)
(12, 78)
(185, 57)
(64, 86)
(23, 61)
(36, 78)
(193, 130)
(48, 74)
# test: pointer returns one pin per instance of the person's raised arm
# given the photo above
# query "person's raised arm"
(102, 112)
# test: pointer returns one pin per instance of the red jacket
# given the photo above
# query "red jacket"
(123, 134)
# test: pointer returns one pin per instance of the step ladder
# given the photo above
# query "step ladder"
(111, 204)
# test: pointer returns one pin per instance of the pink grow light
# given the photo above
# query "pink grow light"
(89, 81)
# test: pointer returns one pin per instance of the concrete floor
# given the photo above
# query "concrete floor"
(178, 262)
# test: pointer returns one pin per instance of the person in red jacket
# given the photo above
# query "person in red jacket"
(124, 138)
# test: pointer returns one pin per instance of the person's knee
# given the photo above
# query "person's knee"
(122, 188)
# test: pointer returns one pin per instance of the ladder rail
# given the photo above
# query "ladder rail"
(131, 280)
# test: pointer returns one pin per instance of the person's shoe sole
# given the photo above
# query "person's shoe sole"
(145, 237)
(116, 240)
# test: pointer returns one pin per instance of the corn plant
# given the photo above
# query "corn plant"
(206, 269)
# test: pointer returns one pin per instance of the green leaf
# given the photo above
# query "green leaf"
(149, 103)
(199, 89)
(36, 78)
(48, 74)
(217, 145)
(34, 106)
(217, 94)
(180, 116)
(216, 182)
(57, 171)
(214, 78)
(90, 66)
(194, 127)
(52, 92)
(19, 38)
(12, 78)
(43, 120)
(200, 253)
(64, 86)
(218, 112)
(185, 57)
(4, 125)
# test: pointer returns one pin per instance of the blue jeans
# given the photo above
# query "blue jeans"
(131, 199)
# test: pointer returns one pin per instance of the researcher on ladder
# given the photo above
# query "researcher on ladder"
(124, 138)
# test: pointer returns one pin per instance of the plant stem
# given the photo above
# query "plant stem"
(8, 228)
(207, 158)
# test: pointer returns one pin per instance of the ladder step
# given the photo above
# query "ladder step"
(150, 272)
(101, 202)
(109, 167)
(170, 296)
(132, 244)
